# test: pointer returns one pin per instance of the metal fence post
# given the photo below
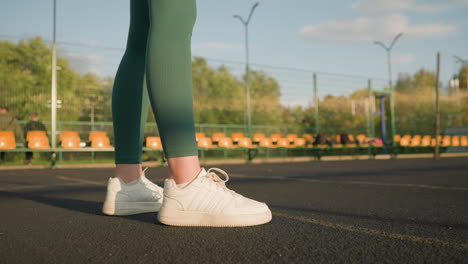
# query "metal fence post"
(316, 105)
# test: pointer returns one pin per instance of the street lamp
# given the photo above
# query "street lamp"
(392, 103)
(53, 107)
(460, 60)
(247, 71)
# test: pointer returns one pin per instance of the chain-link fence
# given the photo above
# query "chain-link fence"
(282, 100)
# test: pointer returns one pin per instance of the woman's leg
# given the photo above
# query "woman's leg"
(169, 79)
(129, 97)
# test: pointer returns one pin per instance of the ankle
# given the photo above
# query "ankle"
(128, 172)
(183, 169)
(183, 178)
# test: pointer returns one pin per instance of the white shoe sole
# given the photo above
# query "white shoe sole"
(184, 218)
(130, 208)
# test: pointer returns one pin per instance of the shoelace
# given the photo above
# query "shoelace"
(211, 175)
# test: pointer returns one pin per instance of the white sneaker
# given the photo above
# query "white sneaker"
(206, 201)
(140, 196)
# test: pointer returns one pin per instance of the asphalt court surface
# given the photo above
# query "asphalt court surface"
(367, 211)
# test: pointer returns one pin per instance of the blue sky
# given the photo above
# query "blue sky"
(326, 36)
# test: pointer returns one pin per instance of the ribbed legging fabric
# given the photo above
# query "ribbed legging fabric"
(156, 68)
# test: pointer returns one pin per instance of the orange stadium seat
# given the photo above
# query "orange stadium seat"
(94, 134)
(7, 140)
(397, 138)
(275, 137)
(299, 143)
(225, 143)
(100, 142)
(154, 142)
(70, 139)
(415, 141)
(205, 142)
(69, 134)
(35, 133)
(426, 141)
(291, 137)
(70, 142)
(257, 137)
(404, 141)
(199, 135)
(266, 143)
(446, 141)
(245, 142)
(362, 140)
(308, 137)
(464, 141)
(38, 142)
(215, 137)
(236, 136)
(283, 143)
(456, 141)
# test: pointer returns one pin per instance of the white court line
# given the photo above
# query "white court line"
(375, 232)
(70, 182)
(37, 186)
(409, 185)
(80, 180)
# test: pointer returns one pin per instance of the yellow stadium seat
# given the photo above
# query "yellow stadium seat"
(7, 140)
(154, 142)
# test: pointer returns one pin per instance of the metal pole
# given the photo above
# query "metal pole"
(371, 108)
(316, 105)
(54, 83)
(392, 103)
(437, 113)
(247, 68)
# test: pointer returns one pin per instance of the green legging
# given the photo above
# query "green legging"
(157, 65)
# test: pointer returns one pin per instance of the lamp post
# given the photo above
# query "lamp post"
(53, 107)
(247, 70)
(392, 102)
